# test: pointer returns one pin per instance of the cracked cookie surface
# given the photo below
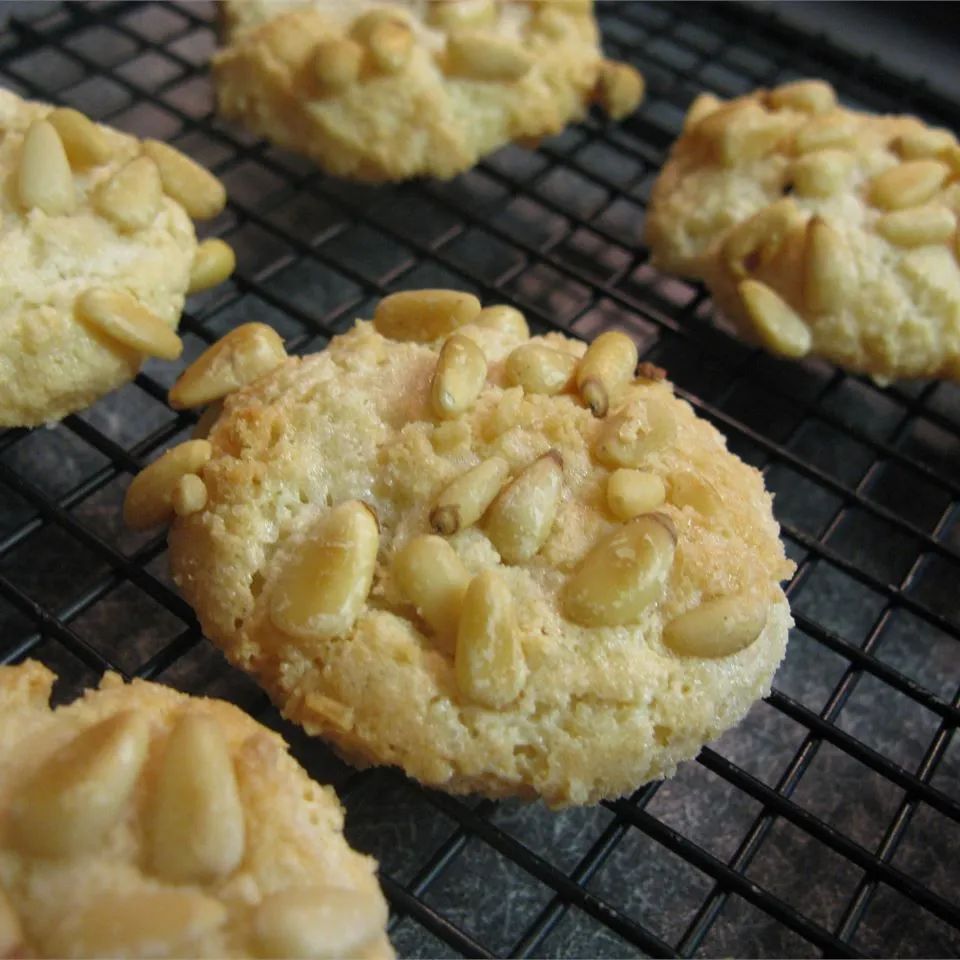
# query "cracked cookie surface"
(819, 230)
(389, 91)
(97, 251)
(501, 563)
(141, 822)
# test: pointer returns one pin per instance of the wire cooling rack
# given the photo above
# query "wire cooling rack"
(826, 823)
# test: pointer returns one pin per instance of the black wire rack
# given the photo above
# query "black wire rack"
(828, 823)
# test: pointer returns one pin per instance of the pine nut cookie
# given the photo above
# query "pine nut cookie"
(389, 91)
(140, 822)
(819, 230)
(501, 562)
(97, 250)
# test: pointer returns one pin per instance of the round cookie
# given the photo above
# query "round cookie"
(496, 561)
(819, 230)
(97, 250)
(389, 91)
(140, 822)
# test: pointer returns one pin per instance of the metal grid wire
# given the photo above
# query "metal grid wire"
(827, 823)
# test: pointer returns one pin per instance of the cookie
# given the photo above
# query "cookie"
(420, 88)
(140, 822)
(819, 230)
(97, 250)
(499, 562)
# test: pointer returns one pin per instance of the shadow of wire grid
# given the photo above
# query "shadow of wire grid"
(827, 823)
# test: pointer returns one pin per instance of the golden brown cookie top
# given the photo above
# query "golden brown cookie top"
(138, 821)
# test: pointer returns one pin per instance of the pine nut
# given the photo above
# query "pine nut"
(641, 428)
(631, 493)
(239, 358)
(85, 143)
(541, 369)
(424, 315)
(196, 828)
(505, 319)
(832, 130)
(829, 270)
(480, 56)
(213, 262)
(459, 377)
(155, 923)
(197, 190)
(623, 575)
(717, 628)
(703, 105)
(742, 131)
(907, 185)
(917, 226)
(324, 586)
(506, 414)
(189, 495)
(466, 500)
(461, 14)
(821, 173)
(810, 96)
(489, 662)
(77, 794)
(433, 578)
(11, 933)
(619, 89)
(318, 922)
(132, 197)
(522, 516)
(123, 318)
(608, 364)
(391, 46)
(929, 142)
(149, 499)
(688, 489)
(336, 64)
(44, 177)
(754, 242)
(780, 328)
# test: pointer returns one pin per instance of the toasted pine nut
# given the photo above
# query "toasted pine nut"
(810, 96)
(521, 518)
(149, 499)
(197, 190)
(213, 262)
(195, 833)
(77, 793)
(11, 933)
(85, 143)
(318, 922)
(917, 226)
(619, 89)
(929, 142)
(489, 662)
(336, 63)
(323, 587)
(235, 360)
(466, 499)
(44, 177)
(503, 318)
(742, 131)
(461, 14)
(132, 197)
(459, 377)
(391, 46)
(717, 628)
(696, 491)
(623, 574)
(754, 242)
(608, 364)
(702, 106)
(424, 315)
(541, 369)
(631, 493)
(780, 328)
(481, 56)
(822, 173)
(123, 318)
(639, 429)
(829, 270)
(433, 578)
(189, 495)
(907, 185)
(831, 130)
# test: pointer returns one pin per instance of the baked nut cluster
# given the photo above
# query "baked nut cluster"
(819, 230)
(97, 250)
(449, 545)
(392, 91)
(140, 822)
